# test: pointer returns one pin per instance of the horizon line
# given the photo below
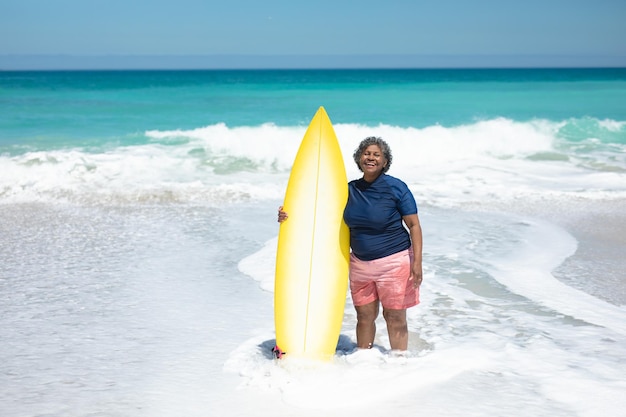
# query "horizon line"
(302, 61)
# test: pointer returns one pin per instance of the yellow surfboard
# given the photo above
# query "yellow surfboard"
(313, 248)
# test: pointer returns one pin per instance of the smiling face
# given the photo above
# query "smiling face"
(372, 163)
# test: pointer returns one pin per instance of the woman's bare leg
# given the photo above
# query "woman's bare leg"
(366, 324)
(397, 328)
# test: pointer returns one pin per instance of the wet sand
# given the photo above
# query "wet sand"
(600, 229)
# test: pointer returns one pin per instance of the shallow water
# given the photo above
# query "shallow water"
(145, 311)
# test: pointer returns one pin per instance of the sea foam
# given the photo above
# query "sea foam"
(496, 159)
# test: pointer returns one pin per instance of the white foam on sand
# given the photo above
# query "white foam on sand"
(528, 272)
(495, 333)
(345, 381)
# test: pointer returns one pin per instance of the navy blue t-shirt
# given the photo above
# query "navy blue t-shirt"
(374, 215)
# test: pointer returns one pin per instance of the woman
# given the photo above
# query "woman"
(386, 259)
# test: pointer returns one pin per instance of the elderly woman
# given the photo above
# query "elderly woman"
(386, 256)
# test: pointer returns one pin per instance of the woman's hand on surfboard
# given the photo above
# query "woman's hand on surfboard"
(282, 215)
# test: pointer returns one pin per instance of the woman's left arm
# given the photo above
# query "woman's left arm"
(412, 221)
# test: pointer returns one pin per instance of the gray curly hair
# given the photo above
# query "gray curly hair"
(373, 140)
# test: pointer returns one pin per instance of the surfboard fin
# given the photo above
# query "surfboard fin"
(278, 353)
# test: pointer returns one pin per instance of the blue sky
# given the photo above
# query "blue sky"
(252, 33)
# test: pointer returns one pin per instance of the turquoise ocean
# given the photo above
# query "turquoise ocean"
(138, 236)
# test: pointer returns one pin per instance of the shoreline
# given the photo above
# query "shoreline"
(599, 227)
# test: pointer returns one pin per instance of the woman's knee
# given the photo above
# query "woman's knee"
(367, 313)
(395, 317)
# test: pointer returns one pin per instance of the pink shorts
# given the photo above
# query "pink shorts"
(385, 279)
